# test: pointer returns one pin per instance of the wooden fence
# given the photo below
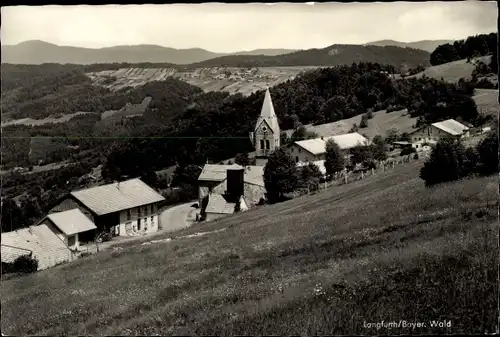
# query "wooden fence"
(346, 177)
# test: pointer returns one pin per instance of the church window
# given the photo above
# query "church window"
(268, 144)
(262, 144)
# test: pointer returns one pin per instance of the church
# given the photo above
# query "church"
(266, 135)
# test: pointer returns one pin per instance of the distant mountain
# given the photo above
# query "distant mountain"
(427, 45)
(38, 52)
(330, 56)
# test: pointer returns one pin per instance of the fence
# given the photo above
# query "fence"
(346, 177)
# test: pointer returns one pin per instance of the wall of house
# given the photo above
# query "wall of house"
(129, 220)
(70, 203)
(204, 188)
(429, 134)
(61, 235)
(252, 192)
(301, 155)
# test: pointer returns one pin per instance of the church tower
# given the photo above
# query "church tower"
(266, 135)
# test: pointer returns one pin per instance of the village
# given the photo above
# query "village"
(89, 220)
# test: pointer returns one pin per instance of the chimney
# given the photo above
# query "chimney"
(235, 183)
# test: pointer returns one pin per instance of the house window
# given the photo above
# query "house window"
(268, 144)
(71, 240)
(262, 144)
(152, 209)
(292, 149)
(152, 221)
(139, 212)
(296, 159)
(139, 224)
(128, 215)
(300, 150)
(145, 210)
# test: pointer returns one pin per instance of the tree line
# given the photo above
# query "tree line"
(473, 46)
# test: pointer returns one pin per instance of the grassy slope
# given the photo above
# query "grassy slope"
(452, 71)
(383, 248)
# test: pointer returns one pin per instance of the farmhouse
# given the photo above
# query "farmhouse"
(431, 134)
(126, 208)
(236, 184)
(312, 150)
(214, 178)
(68, 225)
(40, 242)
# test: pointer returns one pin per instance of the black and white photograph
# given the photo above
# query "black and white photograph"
(256, 169)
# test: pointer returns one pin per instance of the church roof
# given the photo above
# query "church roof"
(267, 114)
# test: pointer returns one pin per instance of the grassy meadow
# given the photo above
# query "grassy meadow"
(380, 249)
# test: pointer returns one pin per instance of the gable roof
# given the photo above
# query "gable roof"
(253, 174)
(318, 145)
(451, 127)
(71, 222)
(267, 114)
(217, 204)
(40, 240)
(117, 197)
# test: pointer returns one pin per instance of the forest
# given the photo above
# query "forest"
(473, 46)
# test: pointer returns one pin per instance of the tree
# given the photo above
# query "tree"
(310, 176)
(379, 148)
(149, 177)
(445, 163)
(242, 159)
(361, 154)
(364, 122)
(392, 136)
(280, 175)
(488, 153)
(186, 178)
(334, 158)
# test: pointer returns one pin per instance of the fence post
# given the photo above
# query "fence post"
(345, 177)
(362, 175)
(373, 171)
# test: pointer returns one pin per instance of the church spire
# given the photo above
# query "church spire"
(268, 114)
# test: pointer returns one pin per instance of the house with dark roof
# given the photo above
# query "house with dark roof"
(237, 185)
(67, 225)
(127, 208)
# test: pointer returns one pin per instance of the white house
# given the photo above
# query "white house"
(313, 150)
(126, 208)
(67, 225)
(432, 133)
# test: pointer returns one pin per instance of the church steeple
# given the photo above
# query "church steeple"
(266, 135)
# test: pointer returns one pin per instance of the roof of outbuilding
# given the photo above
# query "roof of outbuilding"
(116, 197)
(217, 204)
(318, 145)
(253, 174)
(71, 222)
(40, 240)
(451, 127)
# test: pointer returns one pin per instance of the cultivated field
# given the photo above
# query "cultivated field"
(232, 80)
(452, 71)
(35, 122)
(381, 249)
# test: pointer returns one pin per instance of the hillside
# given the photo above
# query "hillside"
(378, 125)
(231, 80)
(38, 52)
(330, 56)
(381, 248)
(427, 45)
(453, 71)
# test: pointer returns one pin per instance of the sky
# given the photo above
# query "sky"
(236, 27)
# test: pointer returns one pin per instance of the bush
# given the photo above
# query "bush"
(445, 164)
(25, 264)
(415, 156)
(407, 150)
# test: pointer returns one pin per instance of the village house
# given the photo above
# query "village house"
(40, 242)
(68, 225)
(241, 185)
(126, 208)
(431, 134)
(313, 150)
